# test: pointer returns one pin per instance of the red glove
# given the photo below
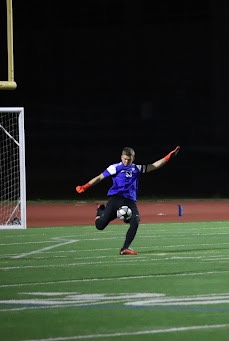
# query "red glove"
(172, 154)
(81, 189)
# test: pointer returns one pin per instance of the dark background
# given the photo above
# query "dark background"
(95, 76)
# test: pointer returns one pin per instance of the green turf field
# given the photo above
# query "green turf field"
(70, 283)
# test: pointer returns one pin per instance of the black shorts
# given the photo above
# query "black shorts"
(114, 203)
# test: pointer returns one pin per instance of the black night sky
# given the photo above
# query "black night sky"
(95, 76)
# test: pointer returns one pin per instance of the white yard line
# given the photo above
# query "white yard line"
(64, 242)
(25, 243)
(101, 259)
(207, 273)
(137, 332)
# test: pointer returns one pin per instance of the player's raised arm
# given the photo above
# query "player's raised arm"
(159, 163)
(92, 182)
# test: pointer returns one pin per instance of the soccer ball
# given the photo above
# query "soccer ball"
(124, 213)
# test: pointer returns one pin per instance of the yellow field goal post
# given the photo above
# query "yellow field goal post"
(10, 84)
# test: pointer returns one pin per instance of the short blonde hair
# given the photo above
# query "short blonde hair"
(128, 151)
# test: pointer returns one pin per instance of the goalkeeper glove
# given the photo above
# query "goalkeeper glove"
(81, 189)
(172, 154)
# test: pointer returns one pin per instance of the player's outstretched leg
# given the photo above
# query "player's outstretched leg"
(130, 235)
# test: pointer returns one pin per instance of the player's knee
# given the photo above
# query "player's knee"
(100, 224)
(135, 219)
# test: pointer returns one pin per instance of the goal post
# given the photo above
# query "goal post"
(10, 84)
(12, 169)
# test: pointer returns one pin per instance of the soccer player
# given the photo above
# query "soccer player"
(125, 176)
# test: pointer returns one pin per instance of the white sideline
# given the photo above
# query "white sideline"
(140, 332)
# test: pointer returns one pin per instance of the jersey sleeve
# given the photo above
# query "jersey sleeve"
(111, 170)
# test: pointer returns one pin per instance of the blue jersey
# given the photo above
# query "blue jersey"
(125, 179)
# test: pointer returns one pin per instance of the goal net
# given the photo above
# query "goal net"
(12, 169)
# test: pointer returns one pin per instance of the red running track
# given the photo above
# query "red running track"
(83, 213)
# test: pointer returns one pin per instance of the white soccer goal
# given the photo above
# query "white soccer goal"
(12, 169)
